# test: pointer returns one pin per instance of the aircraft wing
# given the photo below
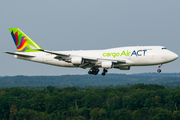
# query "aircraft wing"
(55, 53)
(88, 61)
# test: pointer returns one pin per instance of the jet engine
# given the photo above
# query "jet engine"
(125, 68)
(77, 60)
(107, 64)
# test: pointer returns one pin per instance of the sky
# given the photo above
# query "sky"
(88, 25)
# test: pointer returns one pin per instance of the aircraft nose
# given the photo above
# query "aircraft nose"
(173, 56)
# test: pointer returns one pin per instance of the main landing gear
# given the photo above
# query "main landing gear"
(104, 72)
(159, 70)
(93, 70)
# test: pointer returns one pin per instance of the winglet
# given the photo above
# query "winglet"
(22, 42)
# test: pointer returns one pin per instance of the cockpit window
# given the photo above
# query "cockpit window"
(164, 48)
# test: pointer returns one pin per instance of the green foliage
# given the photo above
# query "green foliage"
(98, 114)
(121, 114)
(141, 114)
(147, 87)
(35, 82)
(135, 102)
(176, 115)
(92, 100)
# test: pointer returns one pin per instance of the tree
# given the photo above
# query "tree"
(50, 88)
(102, 114)
(51, 104)
(13, 111)
(123, 114)
(140, 114)
(135, 100)
(85, 112)
(38, 102)
(113, 102)
(81, 118)
(176, 115)
(162, 114)
(5, 105)
(119, 114)
(92, 100)
(94, 114)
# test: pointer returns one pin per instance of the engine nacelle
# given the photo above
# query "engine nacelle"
(77, 60)
(107, 64)
(125, 68)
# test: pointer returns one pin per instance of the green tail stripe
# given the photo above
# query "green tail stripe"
(19, 40)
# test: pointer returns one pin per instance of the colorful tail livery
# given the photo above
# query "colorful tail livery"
(23, 42)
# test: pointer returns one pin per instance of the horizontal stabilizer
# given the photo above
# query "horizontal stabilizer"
(19, 54)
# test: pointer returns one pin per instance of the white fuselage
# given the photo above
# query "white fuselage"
(134, 56)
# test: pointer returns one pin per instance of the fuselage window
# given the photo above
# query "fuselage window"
(164, 48)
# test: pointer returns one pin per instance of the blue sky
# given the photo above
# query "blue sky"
(87, 25)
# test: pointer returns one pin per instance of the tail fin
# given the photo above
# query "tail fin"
(23, 42)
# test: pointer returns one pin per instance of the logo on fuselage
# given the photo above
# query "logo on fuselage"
(125, 53)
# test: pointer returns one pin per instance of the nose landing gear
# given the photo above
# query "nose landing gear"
(159, 70)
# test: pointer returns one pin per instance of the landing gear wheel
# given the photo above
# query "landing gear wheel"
(89, 72)
(159, 70)
(103, 74)
(96, 72)
(93, 71)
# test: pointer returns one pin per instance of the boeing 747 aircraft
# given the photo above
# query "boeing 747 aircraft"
(120, 58)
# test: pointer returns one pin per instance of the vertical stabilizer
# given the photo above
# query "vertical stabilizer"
(22, 42)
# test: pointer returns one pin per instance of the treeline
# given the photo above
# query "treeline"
(136, 102)
(89, 80)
